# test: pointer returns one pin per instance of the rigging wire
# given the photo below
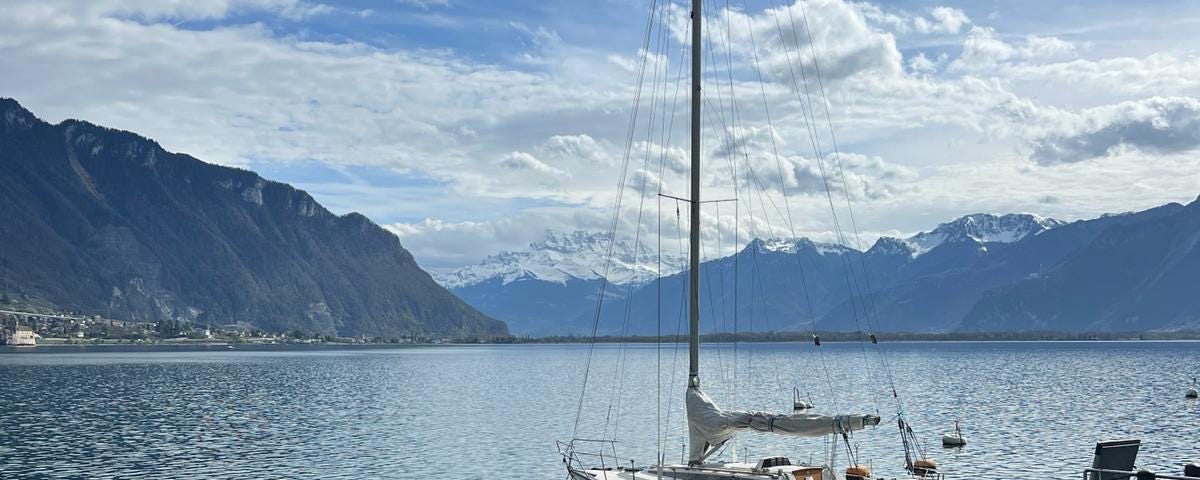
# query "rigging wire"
(753, 179)
(809, 114)
(849, 208)
(615, 219)
(661, 54)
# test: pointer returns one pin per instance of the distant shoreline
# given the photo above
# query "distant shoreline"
(202, 347)
(773, 337)
(837, 337)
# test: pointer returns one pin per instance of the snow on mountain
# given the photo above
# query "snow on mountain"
(790, 245)
(580, 255)
(889, 246)
(982, 228)
(562, 256)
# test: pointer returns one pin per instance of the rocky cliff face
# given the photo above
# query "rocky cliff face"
(107, 222)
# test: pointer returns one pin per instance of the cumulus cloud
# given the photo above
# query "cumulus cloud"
(525, 161)
(865, 177)
(846, 45)
(1154, 125)
(945, 20)
(440, 245)
(983, 50)
(919, 63)
(941, 20)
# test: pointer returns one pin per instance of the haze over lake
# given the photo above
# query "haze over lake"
(1033, 407)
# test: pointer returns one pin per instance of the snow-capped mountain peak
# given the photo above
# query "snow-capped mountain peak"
(982, 228)
(559, 257)
(889, 246)
(793, 245)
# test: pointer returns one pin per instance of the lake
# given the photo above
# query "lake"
(496, 411)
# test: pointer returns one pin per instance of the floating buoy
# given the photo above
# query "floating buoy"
(858, 472)
(1192, 393)
(799, 403)
(954, 439)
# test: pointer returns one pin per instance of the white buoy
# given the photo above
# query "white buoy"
(1191, 392)
(954, 439)
(799, 404)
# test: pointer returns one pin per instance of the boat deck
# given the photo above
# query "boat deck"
(724, 471)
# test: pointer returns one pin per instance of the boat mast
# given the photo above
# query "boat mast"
(694, 250)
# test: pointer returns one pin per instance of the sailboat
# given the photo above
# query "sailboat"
(709, 426)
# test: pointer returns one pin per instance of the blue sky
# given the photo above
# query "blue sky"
(468, 127)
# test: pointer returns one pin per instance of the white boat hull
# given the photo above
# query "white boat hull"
(717, 471)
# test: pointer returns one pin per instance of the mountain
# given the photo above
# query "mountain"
(1140, 273)
(768, 292)
(982, 228)
(538, 290)
(107, 222)
(561, 257)
(980, 272)
(935, 291)
(786, 284)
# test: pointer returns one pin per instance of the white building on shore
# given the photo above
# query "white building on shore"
(23, 336)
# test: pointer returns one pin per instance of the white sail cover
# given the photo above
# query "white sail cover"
(710, 427)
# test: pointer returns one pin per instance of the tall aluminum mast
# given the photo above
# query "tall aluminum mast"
(694, 250)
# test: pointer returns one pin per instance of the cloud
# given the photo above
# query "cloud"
(945, 20)
(646, 183)
(922, 64)
(1155, 125)
(539, 35)
(525, 161)
(865, 177)
(580, 147)
(846, 45)
(941, 20)
(425, 4)
(1161, 73)
(237, 94)
(439, 245)
(153, 10)
(983, 50)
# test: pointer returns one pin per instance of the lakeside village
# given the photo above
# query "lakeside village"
(30, 329)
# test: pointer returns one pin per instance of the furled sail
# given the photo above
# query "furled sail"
(709, 426)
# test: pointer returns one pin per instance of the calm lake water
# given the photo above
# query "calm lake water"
(495, 411)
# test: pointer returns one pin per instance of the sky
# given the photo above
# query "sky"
(468, 127)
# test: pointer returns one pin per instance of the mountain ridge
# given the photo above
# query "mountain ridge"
(116, 225)
(952, 277)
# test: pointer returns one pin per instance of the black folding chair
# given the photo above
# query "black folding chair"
(1115, 455)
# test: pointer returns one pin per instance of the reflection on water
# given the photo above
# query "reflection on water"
(492, 412)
